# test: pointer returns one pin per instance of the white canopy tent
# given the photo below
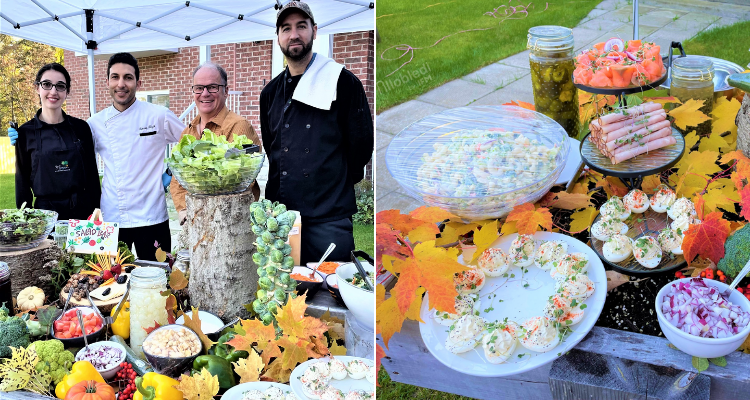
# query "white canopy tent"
(112, 26)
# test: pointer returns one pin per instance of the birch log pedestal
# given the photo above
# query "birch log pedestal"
(743, 126)
(223, 277)
(32, 267)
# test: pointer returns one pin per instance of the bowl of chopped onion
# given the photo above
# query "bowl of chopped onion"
(697, 320)
(105, 356)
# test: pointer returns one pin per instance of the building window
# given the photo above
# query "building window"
(160, 97)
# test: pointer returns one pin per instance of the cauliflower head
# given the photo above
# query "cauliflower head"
(53, 358)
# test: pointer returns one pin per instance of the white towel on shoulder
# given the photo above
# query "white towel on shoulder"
(317, 87)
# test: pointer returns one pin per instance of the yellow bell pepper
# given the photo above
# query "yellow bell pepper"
(121, 326)
(81, 371)
(155, 386)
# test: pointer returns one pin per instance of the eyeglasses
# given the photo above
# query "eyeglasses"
(198, 89)
(47, 85)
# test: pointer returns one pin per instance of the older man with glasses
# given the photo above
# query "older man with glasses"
(210, 90)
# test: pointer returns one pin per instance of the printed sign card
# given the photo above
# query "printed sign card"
(87, 237)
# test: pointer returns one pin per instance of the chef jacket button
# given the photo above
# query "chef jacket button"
(286, 149)
(306, 175)
(286, 125)
(308, 126)
(307, 150)
(283, 173)
(289, 80)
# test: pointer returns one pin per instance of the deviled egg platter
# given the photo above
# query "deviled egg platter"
(527, 301)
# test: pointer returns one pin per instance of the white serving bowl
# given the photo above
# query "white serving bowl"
(359, 301)
(210, 323)
(105, 373)
(699, 346)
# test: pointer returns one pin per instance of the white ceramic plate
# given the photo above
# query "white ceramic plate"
(571, 164)
(237, 392)
(519, 304)
(345, 385)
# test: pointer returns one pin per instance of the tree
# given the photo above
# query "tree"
(20, 61)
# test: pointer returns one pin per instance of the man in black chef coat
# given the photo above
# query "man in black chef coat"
(318, 134)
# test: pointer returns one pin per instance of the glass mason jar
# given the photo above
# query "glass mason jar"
(146, 303)
(692, 78)
(5, 290)
(182, 261)
(551, 61)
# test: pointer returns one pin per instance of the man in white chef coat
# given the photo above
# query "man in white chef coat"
(131, 137)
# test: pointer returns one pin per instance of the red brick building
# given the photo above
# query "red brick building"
(166, 78)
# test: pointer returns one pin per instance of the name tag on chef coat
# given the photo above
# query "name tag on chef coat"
(148, 130)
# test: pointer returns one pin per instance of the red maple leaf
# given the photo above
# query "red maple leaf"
(522, 104)
(379, 354)
(707, 238)
(151, 329)
(389, 242)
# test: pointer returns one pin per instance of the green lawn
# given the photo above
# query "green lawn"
(364, 238)
(420, 23)
(729, 43)
(389, 390)
(7, 191)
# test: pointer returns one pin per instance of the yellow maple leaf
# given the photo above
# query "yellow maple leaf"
(688, 114)
(195, 324)
(276, 372)
(713, 143)
(721, 197)
(200, 386)
(416, 306)
(249, 368)
(335, 325)
(452, 230)
(582, 220)
(703, 161)
(337, 350)
(663, 100)
(580, 188)
(650, 183)
(483, 239)
(691, 139)
(724, 113)
(508, 228)
(421, 234)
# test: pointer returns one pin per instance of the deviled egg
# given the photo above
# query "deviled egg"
(681, 206)
(577, 286)
(574, 314)
(292, 396)
(253, 395)
(550, 252)
(316, 372)
(331, 393)
(274, 393)
(337, 369)
(605, 227)
(615, 208)
(464, 304)
(500, 342)
(355, 395)
(682, 224)
(465, 334)
(371, 372)
(470, 281)
(571, 264)
(357, 369)
(539, 334)
(314, 389)
(522, 250)
(494, 262)
(636, 201)
(557, 307)
(618, 248)
(663, 198)
(670, 241)
(647, 251)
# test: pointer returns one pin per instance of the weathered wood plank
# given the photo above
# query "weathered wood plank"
(23, 395)
(580, 375)
(410, 362)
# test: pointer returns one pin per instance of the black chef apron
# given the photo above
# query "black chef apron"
(58, 176)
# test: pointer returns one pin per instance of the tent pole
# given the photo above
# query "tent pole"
(92, 84)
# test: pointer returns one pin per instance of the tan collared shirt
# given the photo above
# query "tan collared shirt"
(226, 124)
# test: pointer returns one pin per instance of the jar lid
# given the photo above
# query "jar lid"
(550, 37)
(693, 68)
(148, 277)
(4, 270)
(183, 255)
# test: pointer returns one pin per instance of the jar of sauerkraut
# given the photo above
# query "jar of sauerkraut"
(147, 305)
(551, 60)
(692, 78)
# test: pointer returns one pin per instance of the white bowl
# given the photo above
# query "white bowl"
(210, 323)
(106, 373)
(359, 301)
(699, 346)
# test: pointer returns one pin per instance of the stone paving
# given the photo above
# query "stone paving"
(660, 21)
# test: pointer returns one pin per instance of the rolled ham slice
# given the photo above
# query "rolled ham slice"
(644, 108)
(621, 156)
(625, 132)
(625, 122)
(664, 132)
(645, 131)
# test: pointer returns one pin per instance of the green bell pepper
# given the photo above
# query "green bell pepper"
(218, 367)
(226, 351)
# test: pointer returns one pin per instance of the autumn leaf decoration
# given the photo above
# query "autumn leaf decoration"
(301, 338)
(200, 386)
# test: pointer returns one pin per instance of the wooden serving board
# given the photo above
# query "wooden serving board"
(105, 307)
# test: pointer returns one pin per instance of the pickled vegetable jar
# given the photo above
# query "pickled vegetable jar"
(692, 78)
(147, 305)
(551, 60)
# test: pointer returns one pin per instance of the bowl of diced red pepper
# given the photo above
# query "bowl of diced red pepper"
(67, 328)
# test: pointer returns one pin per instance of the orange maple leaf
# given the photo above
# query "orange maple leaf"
(295, 352)
(379, 354)
(401, 222)
(151, 329)
(745, 202)
(432, 215)
(529, 218)
(568, 201)
(389, 242)
(707, 238)
(613, 186)
(293, 322)
(700, 204)
(522, 104)
(256, 332)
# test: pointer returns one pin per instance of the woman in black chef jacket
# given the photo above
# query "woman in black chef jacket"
(55, 158)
